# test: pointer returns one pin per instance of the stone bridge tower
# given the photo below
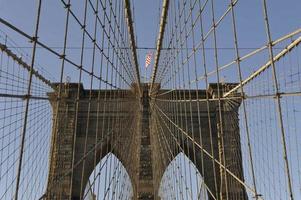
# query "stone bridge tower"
(146, 161)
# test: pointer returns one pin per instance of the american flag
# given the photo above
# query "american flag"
(148, 59)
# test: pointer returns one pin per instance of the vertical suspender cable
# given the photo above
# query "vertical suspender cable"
(277, 98)
(34, 40)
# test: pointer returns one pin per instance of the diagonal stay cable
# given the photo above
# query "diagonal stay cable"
(179, 145)
(266, 66)
(91, 150)
(206, 152)
(9, 25)
(244, 57)
(22, 63)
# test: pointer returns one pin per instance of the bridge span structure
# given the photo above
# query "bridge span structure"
(217, 116)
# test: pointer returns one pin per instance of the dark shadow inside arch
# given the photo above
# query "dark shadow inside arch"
(108, 180)
(182, 180)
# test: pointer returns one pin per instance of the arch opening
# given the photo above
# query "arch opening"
(182, 180)
(108, 180)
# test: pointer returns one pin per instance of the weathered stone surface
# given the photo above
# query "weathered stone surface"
(147, 160)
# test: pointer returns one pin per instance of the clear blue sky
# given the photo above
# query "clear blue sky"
(284, 18)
